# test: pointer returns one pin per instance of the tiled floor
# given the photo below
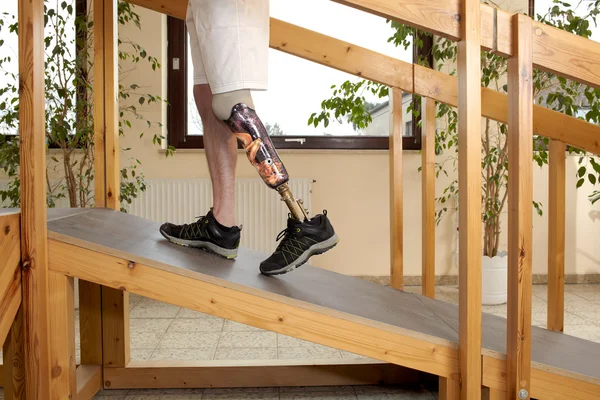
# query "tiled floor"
(164, 332)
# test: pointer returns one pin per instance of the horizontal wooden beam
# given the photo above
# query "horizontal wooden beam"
(340, 55)
(255, 373)
(494, 105)
(554, 50)
(89, 381)
(546, 383)
(319, 325)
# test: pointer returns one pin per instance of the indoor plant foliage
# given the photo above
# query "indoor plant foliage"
(69, 58)
(551, 91)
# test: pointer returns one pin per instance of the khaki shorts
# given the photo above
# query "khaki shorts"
(229, 42)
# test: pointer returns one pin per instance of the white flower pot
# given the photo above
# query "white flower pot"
(494, 277)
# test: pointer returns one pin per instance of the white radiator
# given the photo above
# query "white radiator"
(258, 208)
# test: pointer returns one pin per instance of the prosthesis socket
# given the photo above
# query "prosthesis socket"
(251, 133)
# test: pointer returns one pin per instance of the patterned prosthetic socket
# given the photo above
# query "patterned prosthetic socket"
(251, 133)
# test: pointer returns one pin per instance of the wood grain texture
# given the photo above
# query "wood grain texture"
(428, 196)
(62, 335)
(111, 105)
(34, 251)
(449, 389)
(544, 384)
(520, 197)
(99, 93)
(10, 271)
(493, 394)
(469, 193)
(10, 302)
(14, 361)
(556, 235)
(340, 55)
(396, 192)
(89, 381)
(573, 56)
(255, 373)
(115, 327)
(90, 322)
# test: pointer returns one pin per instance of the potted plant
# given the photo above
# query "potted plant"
(69, 105)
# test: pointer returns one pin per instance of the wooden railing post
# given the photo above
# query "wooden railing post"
(469, 183)
(428, 196)
(520, 197)
(396, 220)
(34, 234)
(114, 303)
(556, 236)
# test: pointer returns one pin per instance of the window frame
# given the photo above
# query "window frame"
(177, 109)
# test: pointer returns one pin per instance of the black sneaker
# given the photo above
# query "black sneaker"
(301, 240)
(206, 233)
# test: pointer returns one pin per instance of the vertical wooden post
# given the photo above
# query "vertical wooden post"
(469, 182)
(428, 196)
(14, 361)
(115, 303)
(556, 236)
(449, 389)
(34, 252)
(520, 197)
(62, 336)
(493, 394)
(396, 217)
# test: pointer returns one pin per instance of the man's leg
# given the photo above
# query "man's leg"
(216, 231)
(221, 154)
(233, 36)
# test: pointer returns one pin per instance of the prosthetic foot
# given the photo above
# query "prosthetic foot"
(251, 133)
(304, 236)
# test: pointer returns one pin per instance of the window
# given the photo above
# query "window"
(185, 126)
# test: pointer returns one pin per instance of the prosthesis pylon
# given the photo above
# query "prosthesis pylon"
(251, 133)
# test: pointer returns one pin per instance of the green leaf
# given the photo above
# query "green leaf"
(580, 183)
(592, 178)
(581, 171)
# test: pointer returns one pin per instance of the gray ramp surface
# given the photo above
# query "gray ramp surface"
(123, 234)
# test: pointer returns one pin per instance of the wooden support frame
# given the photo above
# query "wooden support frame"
(520, 197)
(255, 373)
(469, 182)
(396, 193)
(556, 235)
(547, 384)
(432, 355)
(428, 197)
(34, 235)
(114, 303)
(62, 336)
(13, 367)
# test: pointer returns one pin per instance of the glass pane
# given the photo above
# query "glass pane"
(297, 87)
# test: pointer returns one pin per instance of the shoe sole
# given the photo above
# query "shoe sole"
(315, 249)
(207, 246)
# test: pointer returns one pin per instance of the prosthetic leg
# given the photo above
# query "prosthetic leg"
(251, 133)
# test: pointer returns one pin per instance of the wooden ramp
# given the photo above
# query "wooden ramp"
(126, 252)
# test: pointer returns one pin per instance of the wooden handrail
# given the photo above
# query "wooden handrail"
(554, 50)
(368, 64)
